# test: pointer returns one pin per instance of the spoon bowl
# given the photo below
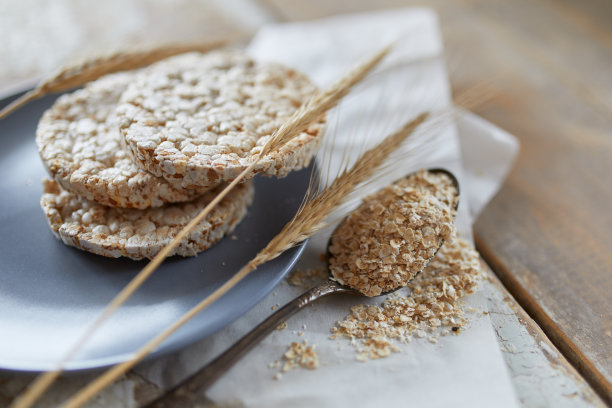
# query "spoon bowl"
(329, 255)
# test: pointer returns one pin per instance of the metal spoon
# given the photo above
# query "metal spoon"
(190, 391)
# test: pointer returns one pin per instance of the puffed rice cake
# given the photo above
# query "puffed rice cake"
(79, 143)
(137, 234)
(197, 119)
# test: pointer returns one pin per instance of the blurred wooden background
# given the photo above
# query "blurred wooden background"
(548, 233)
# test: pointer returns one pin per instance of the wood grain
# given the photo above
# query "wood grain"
(542, 376)
(548, 233)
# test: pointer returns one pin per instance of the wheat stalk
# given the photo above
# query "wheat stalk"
(310, 218)
(82, 71)
(307, 221)
(299, 121)
(322, 102)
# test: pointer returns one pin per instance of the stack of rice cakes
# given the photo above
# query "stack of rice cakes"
(134, 156)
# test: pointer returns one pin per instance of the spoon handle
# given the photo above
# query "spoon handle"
(191, 390)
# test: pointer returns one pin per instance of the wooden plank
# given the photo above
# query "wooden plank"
(548, 234)
(542, 376)
(549, 231)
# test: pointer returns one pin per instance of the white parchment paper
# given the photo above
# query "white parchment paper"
(465, 370)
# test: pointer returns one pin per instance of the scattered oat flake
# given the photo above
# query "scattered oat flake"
(300, 355)
(420, 333)
(282, 326)
(431, 307)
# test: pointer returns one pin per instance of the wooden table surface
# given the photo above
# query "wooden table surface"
(548, 233)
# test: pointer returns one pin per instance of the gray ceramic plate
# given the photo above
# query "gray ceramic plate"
(50, 293)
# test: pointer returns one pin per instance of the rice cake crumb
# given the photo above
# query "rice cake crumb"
(434, 305)
(385, 242)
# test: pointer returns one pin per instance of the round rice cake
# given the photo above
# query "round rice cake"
(201, 118)
(137, 234)
(79, 143)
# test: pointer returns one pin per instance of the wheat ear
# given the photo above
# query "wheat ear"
(82, 71)
(323, 102)
(310, 219)
(300, 120)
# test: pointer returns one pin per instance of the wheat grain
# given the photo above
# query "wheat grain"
(80, 72)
